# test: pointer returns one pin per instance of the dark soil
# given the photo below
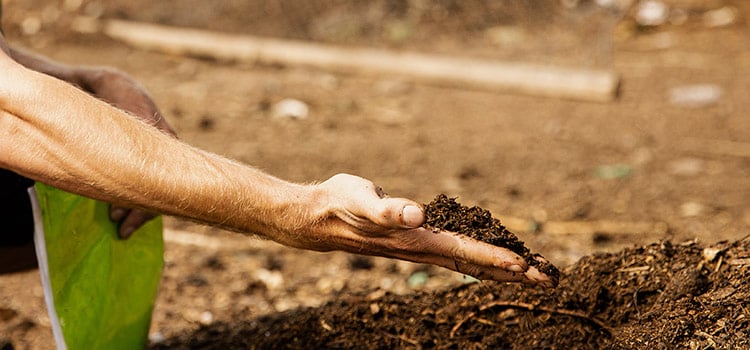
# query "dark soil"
(661, 296)
(523, 157)
(445, 213)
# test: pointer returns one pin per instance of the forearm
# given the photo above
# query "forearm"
(58, 135)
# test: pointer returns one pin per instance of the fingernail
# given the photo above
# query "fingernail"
(516, 268)
(412, 216)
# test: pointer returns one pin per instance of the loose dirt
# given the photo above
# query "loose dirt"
(538, 159)
(447, 214)
(661, 296)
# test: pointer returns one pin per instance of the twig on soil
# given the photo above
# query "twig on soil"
(459, 323)
(542, 80)
(718, 264)
(403, 338)
(532, 307)
(634, 269)
(635, 303)
(739, 261)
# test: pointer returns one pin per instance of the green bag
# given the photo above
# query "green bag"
(100, 290)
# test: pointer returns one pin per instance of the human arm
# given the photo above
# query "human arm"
(105, 83)
(102, 153)
(114, 87)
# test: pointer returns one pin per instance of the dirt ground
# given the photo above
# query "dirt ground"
(543, 161)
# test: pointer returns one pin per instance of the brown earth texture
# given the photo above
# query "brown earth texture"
(642, 202)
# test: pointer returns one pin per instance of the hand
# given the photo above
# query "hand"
(125, 93)
(363, 220)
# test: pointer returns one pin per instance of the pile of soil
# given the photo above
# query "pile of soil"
(661, 296)
(522, 156)
(445, 213)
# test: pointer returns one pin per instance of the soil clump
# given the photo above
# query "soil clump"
(445, 213)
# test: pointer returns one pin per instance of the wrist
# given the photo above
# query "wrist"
(313, 204)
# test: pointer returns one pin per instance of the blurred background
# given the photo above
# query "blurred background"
(666, 158)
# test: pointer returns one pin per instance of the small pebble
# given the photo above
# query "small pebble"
(156, 338)
(686, 166)
(31, 25)
(376, 294)
(374, 308)
(615, 171)
(695, 96)
(290, 108)
(720, 17)
(272, 279)
(206, 318)
(418, 279)
(709, 254)
(652, 13)
(690, 209)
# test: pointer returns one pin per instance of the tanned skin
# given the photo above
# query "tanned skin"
(55, 132)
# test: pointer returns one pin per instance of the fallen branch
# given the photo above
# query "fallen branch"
(532, 79)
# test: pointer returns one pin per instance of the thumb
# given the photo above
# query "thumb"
(400, 213)
(412, 216)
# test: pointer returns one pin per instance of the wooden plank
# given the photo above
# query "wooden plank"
(531, 79)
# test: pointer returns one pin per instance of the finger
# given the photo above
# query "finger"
(412, 216)
(364, 201)
(485, 273)
(508, 274)
(534, 276)
(162, 125)
(132, 222)
(393, 213)
(483, 255)
(116, 213)
(454, 251)
(531, 276)
(396, 213)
